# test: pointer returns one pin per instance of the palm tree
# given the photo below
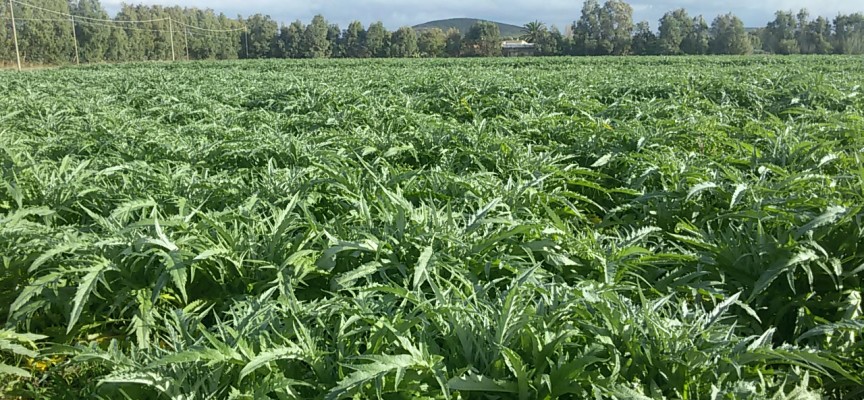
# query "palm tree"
(534, 32)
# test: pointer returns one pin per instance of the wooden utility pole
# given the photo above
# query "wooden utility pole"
(75, 40)
(171, 29)
(245, 39)
(15, 34)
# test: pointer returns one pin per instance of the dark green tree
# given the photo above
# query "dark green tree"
(41, 39)
(555, 46)
(728, 36)
(404, 43)
(483, 40)
(314, 43)
(377, 40)
(353, 38)
(453, 44)
(697, 40)
(814, 37)
(534, 32)
(262, 29)
(93, 39)
(337, 44)
(587, 31)
(292, 37)
(849, 34)
(779, 37)
(675, 26)
(644, 40)
(616, 28)
(432, 42)
(537, 33)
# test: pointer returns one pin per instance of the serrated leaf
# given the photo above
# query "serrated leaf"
(827, 159)
(480, 383)
(420, 273)
(700, 188)
(777, 269)
(721, 308)
(736, 196)
(85, 287)
(380, 366)
(6, 369)
(602, 161)
(830, 215)
(281, 353)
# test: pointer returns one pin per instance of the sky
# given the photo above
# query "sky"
(396, 13)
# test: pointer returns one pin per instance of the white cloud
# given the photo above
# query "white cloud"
(396, 13)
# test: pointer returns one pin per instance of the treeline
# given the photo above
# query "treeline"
(136, 33)
(140, 32)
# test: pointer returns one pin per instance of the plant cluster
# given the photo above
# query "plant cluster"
(455, 229)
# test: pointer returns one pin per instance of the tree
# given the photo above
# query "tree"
(587, 31)
(118, 50)
(404, 43)
(6, 47)
(201, 47)
(483, 40)
(262, 29)
(314, 43)
(557, 41)
(756, 39)
(849, 34)
(432, 42)
(675, 26)
(92, 38)
(353, 38)
(816, 38)
(697, 40)
(545, 42)
(337, 44)
(644, 40)
(534, 32)
(728, 36)
(227, 45)
(453, 45)
(378, 40)
(616, 28)
(291, 40)
(41, 39)
(779, 36)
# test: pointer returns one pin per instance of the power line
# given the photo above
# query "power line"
(126, 25)
(110, 23)
(120, 21)
(132, 28)
(209, 30)
(85, 18)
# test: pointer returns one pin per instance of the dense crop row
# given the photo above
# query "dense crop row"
(608, 228)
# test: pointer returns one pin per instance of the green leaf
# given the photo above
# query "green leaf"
(700, 188)
(85, 287)
(10, 370)
(380, 367)
(737, 195)
(282, 353)
(602, 161)
(517, 367)
(777, 269)
(830, 215)
(420, 272)
(480, 383)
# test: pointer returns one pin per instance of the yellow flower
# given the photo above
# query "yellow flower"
(41, 366)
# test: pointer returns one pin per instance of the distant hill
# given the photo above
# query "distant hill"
(464, 24)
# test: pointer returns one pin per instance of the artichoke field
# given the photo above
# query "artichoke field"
(448, 229)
